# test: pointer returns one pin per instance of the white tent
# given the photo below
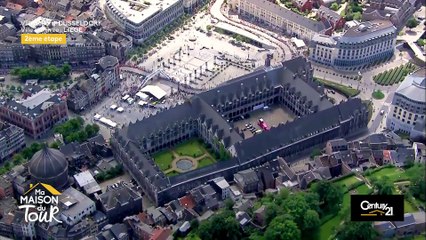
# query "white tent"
(155, 91)
(299, 43)
(142, 96)
(142, 103)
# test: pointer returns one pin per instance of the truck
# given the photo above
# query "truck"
(262, 124)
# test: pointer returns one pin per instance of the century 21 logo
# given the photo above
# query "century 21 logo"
(377, 207)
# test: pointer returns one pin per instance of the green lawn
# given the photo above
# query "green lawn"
(347, 181)
(205, 162)
(409, 208)
(327, 229)
(190, 148)
(163, 159)
(393, 173)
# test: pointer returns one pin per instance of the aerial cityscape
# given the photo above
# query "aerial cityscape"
(212, 119)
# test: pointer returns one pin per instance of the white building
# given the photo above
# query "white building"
(87, 182)
(360, 46)
(408, 110)
(223, 186)
(75, 206)
(141, 19)
(419, 152)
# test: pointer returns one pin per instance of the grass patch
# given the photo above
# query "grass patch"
(393, 173)
(378, 95)
(394, 75)
(409, 208)
(345, 90)
(205, 162)
(191, 148)
(163, 159)
(347, 181)
(172, 173)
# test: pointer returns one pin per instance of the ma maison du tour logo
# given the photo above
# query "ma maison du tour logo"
(40, 203)
(377, 207)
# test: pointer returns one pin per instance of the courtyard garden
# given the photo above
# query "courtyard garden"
(186, 156)
(394, 75)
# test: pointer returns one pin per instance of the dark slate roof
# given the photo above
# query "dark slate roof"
(246, 177)
(376, 138)
(48, 163)
(383, 226)
(328, 12)
(291, 73)
(108, 62)
(32, 89)
(119, 195)
(408, 220)
(289, 15)
(338, 142)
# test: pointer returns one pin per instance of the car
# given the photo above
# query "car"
(382, 112)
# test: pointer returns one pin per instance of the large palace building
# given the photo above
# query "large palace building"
(210, 116)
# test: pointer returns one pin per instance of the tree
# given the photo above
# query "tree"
(12, 88)
(356, 230)
(296, 206)
(384, 186)
(412, 23)
(17, 159)
(315, 152)
(311, 220)
(282, 230)
(66, 69)
(220, 226)
(334, 6)
(330, 195)
(19, 89)
(417, 181)
(357, 15)
(55, 144)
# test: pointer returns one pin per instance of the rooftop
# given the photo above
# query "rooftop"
(369, 30)
(289, 15)
(75, 203)
(137, 11)
(414, 86)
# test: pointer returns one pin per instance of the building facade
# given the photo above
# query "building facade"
(103, 78)
(81, 49)
(289, 22)
(359, 47)
(36, 114)
(408, 109)
(141, 20)
(12, 140)
(209, 115)
(13, 53)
